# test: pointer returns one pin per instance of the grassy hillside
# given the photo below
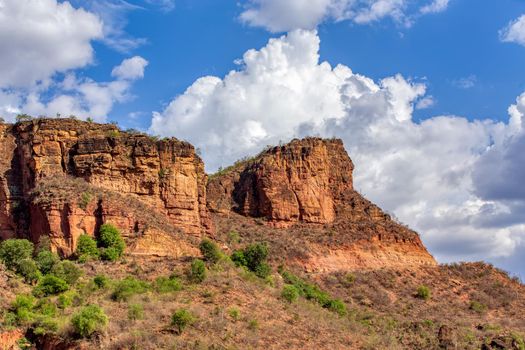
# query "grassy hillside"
(167, 303)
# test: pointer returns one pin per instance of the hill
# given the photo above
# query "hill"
(278, 251)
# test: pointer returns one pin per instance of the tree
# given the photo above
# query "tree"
(67, 271)
(181, 319)
(210, 251)
(87, 247)
(13, 251)
(112, 243)
(89, 320)
(45, 260)
(50, 285)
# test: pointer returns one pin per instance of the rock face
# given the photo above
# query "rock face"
(166, 175)
(309, 182)
(304, 181)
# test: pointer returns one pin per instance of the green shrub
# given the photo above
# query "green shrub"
(337, 306)
(238, 258)
(234, 237)
(111, 240)
(28, 269)
(67, 271)
(45, 260)
(477, 307)
(255, 255)
(181, 319)
(46, 308)
(235, 314)
(22, 309)
(290, 293)
(197, 272)
(423, 292)
(45, 325)
(50, 285)
(263, 270)
(67, 299)
(87, 247)
(110, 254)
(85, 199)
(253, 324)
(89, 320)
(210, 251)
(128, 287)
(312, 292)
(167, 285)
(349, 279)
(254, 258)
(135, 312)
(101, 281)
(12, 251)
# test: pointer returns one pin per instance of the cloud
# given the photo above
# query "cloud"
(130, 69)
(40, 38)
(424, 172)
(163, 5)
(113, 14)
(514, 32)
(43, 43)
(72, 96)
(425, 102)
(285, 15)
(466, 82)
(435, 7)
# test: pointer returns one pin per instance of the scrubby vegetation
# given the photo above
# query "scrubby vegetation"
(253, 257)
(313, 292)
(111, 243)
(148, 302)
(197, 272)
(89, 320)
(210, 251)
(181, 319)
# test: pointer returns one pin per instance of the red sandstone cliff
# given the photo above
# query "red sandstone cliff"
(306, 186)
(165, 176)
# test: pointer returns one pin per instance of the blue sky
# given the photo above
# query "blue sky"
(427, 95)
(204, 37)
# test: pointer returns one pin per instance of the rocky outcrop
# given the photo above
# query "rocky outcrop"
(303, 181)
(309, 182)
(166, 175)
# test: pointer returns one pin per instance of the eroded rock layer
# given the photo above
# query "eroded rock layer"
(166, 175)
(309, 182)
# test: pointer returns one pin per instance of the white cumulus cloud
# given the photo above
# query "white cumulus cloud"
(286, 15)
(130, 69)
(421, 171)
(514, 32)
(42, 37)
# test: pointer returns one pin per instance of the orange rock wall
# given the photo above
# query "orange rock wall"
(165, 174)
(301, 181)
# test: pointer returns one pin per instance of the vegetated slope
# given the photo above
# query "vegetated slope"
(232, 308)
(303, 260)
